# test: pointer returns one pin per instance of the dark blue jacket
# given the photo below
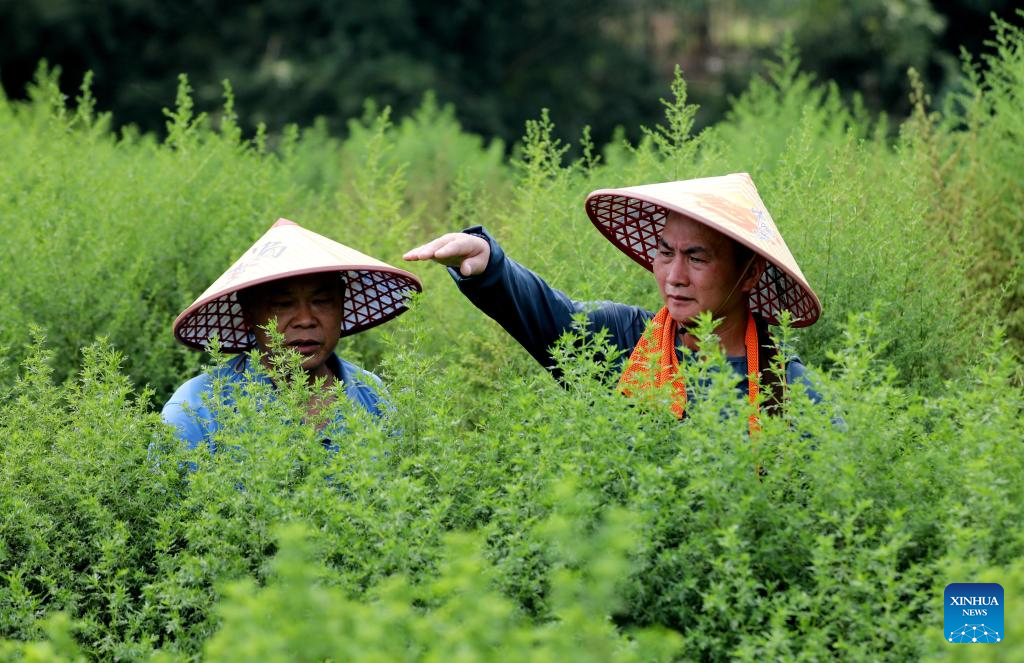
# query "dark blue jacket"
(536, 315)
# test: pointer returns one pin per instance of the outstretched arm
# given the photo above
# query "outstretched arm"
(534, 313)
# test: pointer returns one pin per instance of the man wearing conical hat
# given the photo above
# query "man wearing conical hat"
(316, 290)
(711, 245)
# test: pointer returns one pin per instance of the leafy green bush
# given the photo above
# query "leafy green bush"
(467, 620)
(981, 166)
(495, 513)
(156, 223)
(842, 527)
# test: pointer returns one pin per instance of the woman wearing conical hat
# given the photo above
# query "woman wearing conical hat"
(317, 290)
(711, 245)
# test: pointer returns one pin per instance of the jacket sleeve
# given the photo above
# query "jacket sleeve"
(534, 313)
(796, 372)
(188, 415)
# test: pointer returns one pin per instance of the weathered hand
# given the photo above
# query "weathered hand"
(469, 253)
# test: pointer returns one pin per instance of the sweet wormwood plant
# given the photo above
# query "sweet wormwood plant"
(495, 512)
(156, 222)
(920, 231)
(467, 619)
(843, 525)
(862, 217)
(981, 158)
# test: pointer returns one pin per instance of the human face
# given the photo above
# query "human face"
(696, 270)
(308, 310)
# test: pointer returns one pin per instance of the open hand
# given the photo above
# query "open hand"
(469, 253)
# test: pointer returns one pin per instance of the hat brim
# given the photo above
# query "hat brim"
(373, 296)
(634, 222)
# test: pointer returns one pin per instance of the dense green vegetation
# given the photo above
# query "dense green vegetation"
(495, 513)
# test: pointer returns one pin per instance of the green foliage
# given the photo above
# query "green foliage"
(984, 180)
(494, 513)
(844, 525)
(80, 498)
(156, 223)
(435, 151)
(260, 624)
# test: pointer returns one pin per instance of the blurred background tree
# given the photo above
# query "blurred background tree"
(604, 62)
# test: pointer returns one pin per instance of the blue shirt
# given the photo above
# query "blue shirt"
(536, 315)
(189, 412)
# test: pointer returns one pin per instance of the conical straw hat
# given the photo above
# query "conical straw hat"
(375, 291)
(632, 219)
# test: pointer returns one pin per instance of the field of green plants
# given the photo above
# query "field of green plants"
(496, 514)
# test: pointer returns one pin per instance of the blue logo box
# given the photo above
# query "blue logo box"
(973, 613)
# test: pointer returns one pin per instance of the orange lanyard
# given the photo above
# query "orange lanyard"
(753, 368)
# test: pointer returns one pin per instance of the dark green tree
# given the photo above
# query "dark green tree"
(293, 60)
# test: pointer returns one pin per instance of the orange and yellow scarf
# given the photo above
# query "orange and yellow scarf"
(659, 341)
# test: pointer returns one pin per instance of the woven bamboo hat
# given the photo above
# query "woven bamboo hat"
(632, 219)
(375, 291)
